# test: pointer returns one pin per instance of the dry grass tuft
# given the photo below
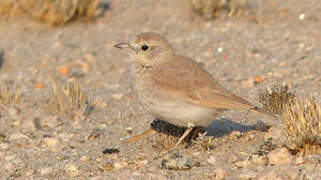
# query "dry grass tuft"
(164, 142)
(276, 98)
(204, 143)
(9, 96)
(50, 11)
(10, 7)
(67, 98)
(215, 8)
(302, 126)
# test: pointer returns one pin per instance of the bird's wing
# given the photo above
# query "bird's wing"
(185, 77)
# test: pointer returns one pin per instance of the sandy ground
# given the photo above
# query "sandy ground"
(277, 39)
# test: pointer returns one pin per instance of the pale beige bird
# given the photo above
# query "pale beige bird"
(175, 88)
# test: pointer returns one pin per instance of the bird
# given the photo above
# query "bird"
(175, 88)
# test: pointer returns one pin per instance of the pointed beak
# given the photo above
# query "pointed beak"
(125, 46)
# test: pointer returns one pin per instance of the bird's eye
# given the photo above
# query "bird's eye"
(144, 47)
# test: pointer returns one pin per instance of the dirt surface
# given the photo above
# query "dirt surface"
(277, 39)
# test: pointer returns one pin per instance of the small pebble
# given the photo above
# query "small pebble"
(220, 173)
(178, 161)
(280, 156)
(14, 112)
(233, 157)
(52, 143)
(110, 151)
(299, 160)
(16, 136)
(72, 171)
(211, 160)
(235, 135)
(45, 170)
(248, 174)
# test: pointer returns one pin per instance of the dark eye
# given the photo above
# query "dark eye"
(144, 47)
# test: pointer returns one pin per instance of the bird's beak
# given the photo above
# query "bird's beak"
(125, 46)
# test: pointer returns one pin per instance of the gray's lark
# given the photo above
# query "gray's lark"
(175, 88)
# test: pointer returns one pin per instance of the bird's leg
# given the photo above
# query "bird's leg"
(190, 127)
(140, 136)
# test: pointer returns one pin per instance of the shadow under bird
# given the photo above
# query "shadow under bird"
(175, 88)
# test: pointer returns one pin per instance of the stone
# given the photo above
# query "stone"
(270, 175)
(16, 136)
(274, 133)
(220, 173)
(14, 112)
(300, 160)
(45, 170)
(178, 161)
(233, 157)
(72, 171)
(211, 160)
(248, 174)
(52, 143)
(235, 135)
(280, 156)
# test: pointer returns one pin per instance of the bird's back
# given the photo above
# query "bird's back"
(184, 77)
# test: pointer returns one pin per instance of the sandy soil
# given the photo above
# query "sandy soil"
(277, 39)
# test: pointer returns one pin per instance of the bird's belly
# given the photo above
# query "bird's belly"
(180, 113)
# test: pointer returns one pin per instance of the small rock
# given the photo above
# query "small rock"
(107, 167)
(120, 165)
(10, 157)
(270, 175)
(293, 172)
(23, 171)
(72, 171)
(129, 130)
(280, 156)
(261, 126)
(235, 135)
(16, 136)
(4, 145)
(65, 136)
(258, 80)
(52, 143)
(117, 96)
(233, 157)
(39, 85)
(96, 133)
(84, 158)
(8, 167)
(49, 122)
(178, 161)
(90, 57)
(274, 133)
(99, 159)
(211, 160)
(266, 147)
(2, 136)
(110, 151)
(96, 178)
(247, 84)
(299, 160)
(14, 112)
(254, 161)
(220, 173)
(46, 170)
(63, 70)
(248, 174)
(259, 160)
(29, 171)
